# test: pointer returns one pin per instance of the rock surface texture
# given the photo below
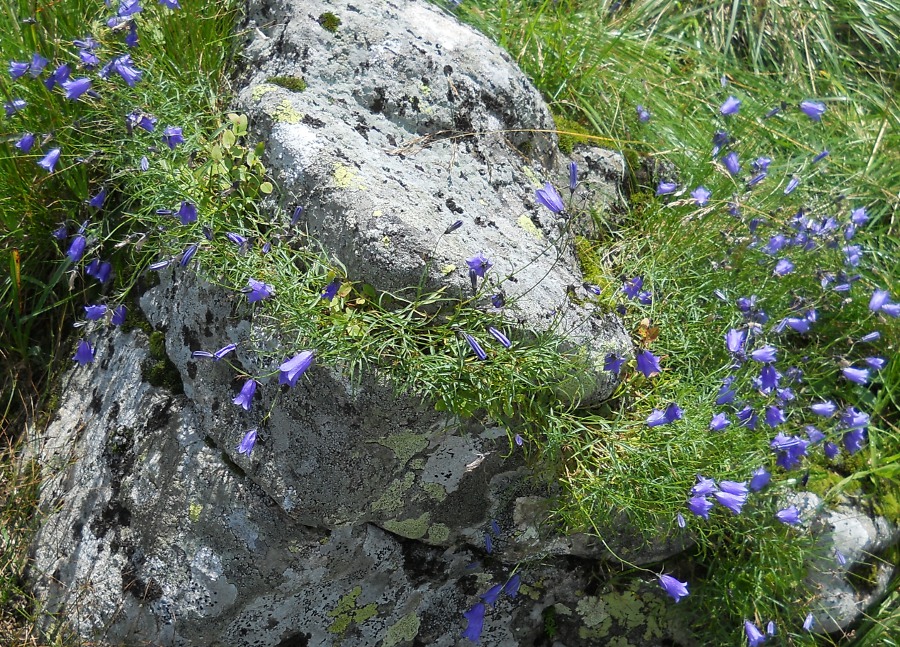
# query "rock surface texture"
(410, 121)
(361, 516)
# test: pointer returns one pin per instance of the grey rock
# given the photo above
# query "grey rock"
(851, 534)
(410, 121)
(152, 534)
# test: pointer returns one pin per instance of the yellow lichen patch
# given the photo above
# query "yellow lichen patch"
(285, 113)
(438, 533)
(404, 445)
(526, 224)
(346, 178)
(435, 490)
(261, 90)
(409, 528)
(448, 269)
(392, 500)
(347, 612)
(194, 510)
(404, 630)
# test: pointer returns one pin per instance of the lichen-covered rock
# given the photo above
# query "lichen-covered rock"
(407, 122)
(853, 573)
(153, 534)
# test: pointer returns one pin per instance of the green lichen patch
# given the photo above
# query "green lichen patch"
(439, 533)
(329, 21)
(435, 490)
(194, 510)
(292, 83)
(409, 528)
(404, 630)
(392, 500)
(347, 612)
(405, 445)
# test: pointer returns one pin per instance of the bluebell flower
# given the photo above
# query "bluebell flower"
(38, 63)
(170, 4)
(550, 198)
(720, 140)
(733, 487)
(490, 596)
(891, 309)
(222, 352)
(74, 88)
(701, 195)
(12, 107)
(783, 267)
(172, 136)
(789, 450)
(679, 519)
(789, 516)
(593, 289)
(331, 289)
(808, 622)
(769, 377)
(478, 265)
(767, 353)
(247, 443)
(292, 369)
(673, 413)
(499, 336)
(854, 440)
(188, 254)
(704, 486)
(131, 38)
(760, 479)
(754, 636)
(119, 315)
(48, 162)
(475, 618)
(700, 506)
(237, 239)
(820, 156)
(17, 69)
(839, 557)
(158, 265)
(144, 163)
(573, 176)
(124, 66)
(799, 325)
(475, 346)
(856, 375)
(813, 109)
(747, 417)
(726, 394)
(643, 114)
(129, 8)
(84, 354)
(648, 363)
(519, 440)
(141, 120)
(512, 585)
(25, 142)
(734, 502)
(613, 363)
(656, 418)
(859, 217)
(257, 291)
(719, 422)
(771, 113)
(495, 528)
(879, 298)
(732, 163)
(632, 287)
(245, 397)
(852, 255)
(59, 75)
(756, 179)
(94, 312)
(76, 248)
(295, 217)
(88, 59)
(831, 450)
(813, 434)
(673, 587)
(734, 341)
(449, 230)
(731, 106)
(770, 628)
(875, 363)
(825, 409)
(665, 188)
(774, 416)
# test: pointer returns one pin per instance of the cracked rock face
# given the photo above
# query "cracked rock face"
(408, 122)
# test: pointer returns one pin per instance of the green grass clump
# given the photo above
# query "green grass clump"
(292, 83)
(329, 22)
